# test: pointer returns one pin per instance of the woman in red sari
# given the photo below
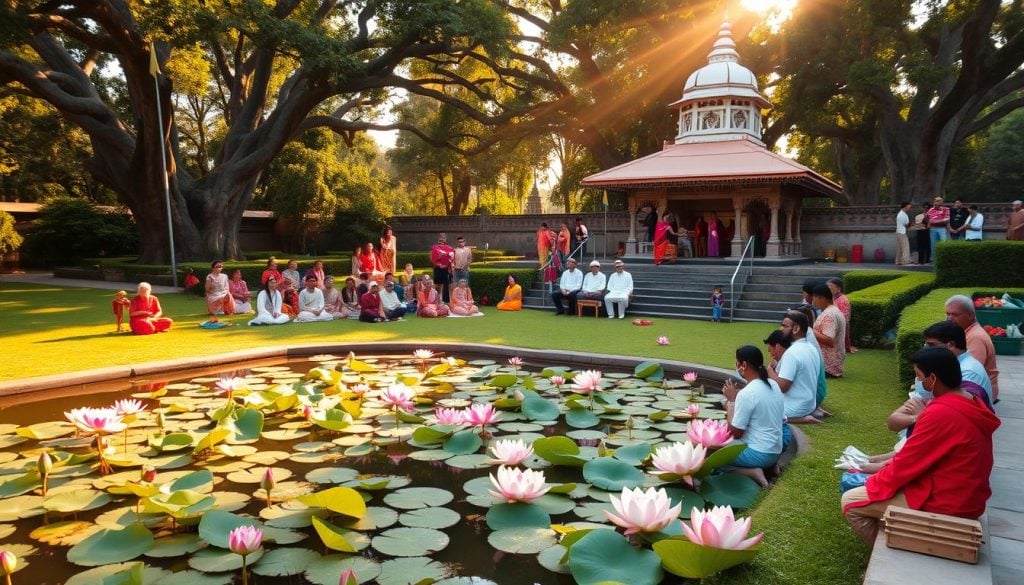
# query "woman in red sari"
(145, 313)
(663, 237)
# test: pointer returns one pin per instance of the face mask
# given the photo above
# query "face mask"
(739, 373)
(921, 392)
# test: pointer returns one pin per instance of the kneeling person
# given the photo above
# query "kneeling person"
(755, 415)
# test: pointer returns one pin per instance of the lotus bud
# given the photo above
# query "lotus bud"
(693, 410)
(45, 464)
(348, 577)
(148, 474)
(8, 561)
(519, 395)
(268, 482)
(160, 422)
(557, 381)
(307, 412)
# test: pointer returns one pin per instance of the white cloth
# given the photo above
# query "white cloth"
(266, 306)
(311, 303)
(389, 300)
(801, 365)
(974, 225)
(760, 412)
(571, 280)
(243, 308)
(594, 283)
(620, 285)
(902, 221)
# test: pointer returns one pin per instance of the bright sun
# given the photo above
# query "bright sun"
(777, 8)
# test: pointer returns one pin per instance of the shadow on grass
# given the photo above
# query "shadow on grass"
(104, 335)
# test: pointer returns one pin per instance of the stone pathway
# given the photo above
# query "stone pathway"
(1006, 508)
(47, 278)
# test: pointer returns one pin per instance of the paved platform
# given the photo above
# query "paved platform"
(1006, 508)
(47, 278)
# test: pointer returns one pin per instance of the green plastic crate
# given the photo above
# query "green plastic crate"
(1000, 317)
(1007, 345)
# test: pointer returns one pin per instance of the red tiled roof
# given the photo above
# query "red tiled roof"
(708, 163)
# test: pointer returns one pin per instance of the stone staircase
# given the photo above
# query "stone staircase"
(684, 290)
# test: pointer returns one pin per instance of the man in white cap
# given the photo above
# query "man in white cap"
(1015, 223)
(620, 291)
(593, 283)
(568, 286)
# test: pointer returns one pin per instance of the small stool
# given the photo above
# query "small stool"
(589, 303)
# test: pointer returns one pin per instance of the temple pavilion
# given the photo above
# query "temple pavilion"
(718, 169)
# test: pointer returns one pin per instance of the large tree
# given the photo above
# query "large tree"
(282, 66)
(898, 83)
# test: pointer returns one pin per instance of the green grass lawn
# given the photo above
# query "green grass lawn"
(49, 330)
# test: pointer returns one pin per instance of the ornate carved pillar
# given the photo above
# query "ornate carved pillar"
(797, 247)
(772, 246)
(737, 239)
(787, 243)
(631, 243)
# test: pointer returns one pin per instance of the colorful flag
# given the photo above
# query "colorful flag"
(154, 67)
(604, 200)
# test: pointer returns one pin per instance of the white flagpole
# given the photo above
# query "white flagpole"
(154, 70)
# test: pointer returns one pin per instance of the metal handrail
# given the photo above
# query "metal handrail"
(551, 260)
(732, 283)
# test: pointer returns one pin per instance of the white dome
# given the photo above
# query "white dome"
(721, 79)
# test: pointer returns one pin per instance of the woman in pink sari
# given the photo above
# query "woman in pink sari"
(218, 296)
(843, 304)
(429, 300)
(663, 237)
(462, 300)
(240, 293)
(714, 233)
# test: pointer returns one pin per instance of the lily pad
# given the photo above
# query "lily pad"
(111, 546)
(430, 518)
(730, 489)
(376, 517)
(283, 562)
(581, 419)
(686, 559)
(326, 569)
(76, 501)
(633, 454)
(411, 570)
(410, 542)
(523, 540)
(612, 474)
(418, 497)
(504, 516)
(333, 537)
(540, 409)
(341, 500)
(588, 561)
(216, 524)
(175, 546)
(559, 450)
(463, 443)
(214, 560)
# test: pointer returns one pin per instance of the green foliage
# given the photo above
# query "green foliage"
(987, 263)
(9, 238)
(491, 282)
(924, 313)
(876, 308)
(68, 230)
(990, 165)
(855, 280)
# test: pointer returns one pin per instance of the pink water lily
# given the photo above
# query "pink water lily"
(96, 420)
(129, 407)
(8, 562)
(693, 410)
(480, 415)
(717, 528)
(398, 396)
(682, 459)
(360, 389)
(710, 433)
(587, 381)
(228, 385)
(690, 377)
(518, 485)
(423, 354)
(663, 340)
(557, 381)
(511, 452)
(348, 577)
(245, 540)
(448, 416)
(643, 511)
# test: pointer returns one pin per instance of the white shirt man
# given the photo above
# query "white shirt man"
(975, 223)
(902, 243)
(798, 371)
(594, 282)
(620, 291)
(568, 286)
(389, 301)
(311, 303)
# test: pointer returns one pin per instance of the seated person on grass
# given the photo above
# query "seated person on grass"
(144, 313)
(512, 300)
(428, 300)
(289, 298)
(350, 297)
(399, 289)
(240, 292)
(798, 371)
(269, 305)
(292, 272)
(391, 303)
(944, 466)
(755, 415)
(311, 303)
(333, 303)
(271, 270)
(462, 300)
(372, 311)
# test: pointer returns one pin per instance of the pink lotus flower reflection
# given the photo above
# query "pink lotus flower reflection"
(640, 511)
(717, 528)
(517, 485)
(709, 433)
(510, 452)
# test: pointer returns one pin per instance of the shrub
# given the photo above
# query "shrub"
(989, 263)
(10, 240)
(930, 309)
(492, 282)
(68, 230)
(876, 308)
(855, 280)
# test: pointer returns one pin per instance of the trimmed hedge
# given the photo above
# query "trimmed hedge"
(855, 280)
(919, 316)
(876, 308)
(988, 263)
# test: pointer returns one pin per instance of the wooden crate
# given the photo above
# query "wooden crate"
(938, 535)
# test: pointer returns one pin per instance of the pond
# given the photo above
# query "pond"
(355, 481)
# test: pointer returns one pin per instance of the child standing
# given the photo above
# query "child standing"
(191, 282)
(119, 306)
(717, 302)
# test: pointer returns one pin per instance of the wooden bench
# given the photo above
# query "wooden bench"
(890, 566)
(590, 304)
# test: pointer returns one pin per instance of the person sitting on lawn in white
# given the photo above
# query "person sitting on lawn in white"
(620, 291)
(311, 303)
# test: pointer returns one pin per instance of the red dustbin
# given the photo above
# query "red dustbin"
(858, 254)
